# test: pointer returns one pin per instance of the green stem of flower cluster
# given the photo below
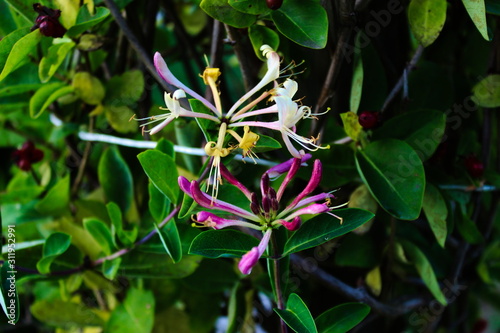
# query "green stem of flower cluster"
(276, 274)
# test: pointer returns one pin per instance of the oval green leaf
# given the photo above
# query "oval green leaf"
(342, 318)
(222, 243)
(427, 19)
(394, 175)
(116, 179)
(55, 245)
(88, 88)
(477, 12)
(18, 55)
(324, 227)
(222, 11)
(423, 130)
(54, 58)
(304, 22)
(85, 20)
(297, 315)
(101, 234)
(436, 212)
(261, 35)
(162, 171)
(486, 93)
(425, 270)
(47, 95)
(169, 236)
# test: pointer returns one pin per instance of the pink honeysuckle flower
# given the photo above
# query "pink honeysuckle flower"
(251, 258)
(265, 214)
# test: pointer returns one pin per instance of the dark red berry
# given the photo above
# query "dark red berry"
(474, 166)
(24, 165)
(48, 21)
(479, 326)
(274, 4)
(27, 155)
(368, 119)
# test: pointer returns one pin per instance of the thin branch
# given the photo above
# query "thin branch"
(83, 163)
(399, 85)
(360, 295)
(136, 45)
(246, 71)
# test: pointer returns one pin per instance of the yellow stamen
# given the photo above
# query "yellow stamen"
(210, 77)
(247, 142)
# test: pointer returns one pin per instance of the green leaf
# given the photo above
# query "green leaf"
(8, 42)
(423, 130)
(352, 127)
(7, 23)
(436, 212)
(158, 203)
(222, 243)
(9, 299)
(127, 237)
(222, 11)
(18, 89)
(424, 269)
(86, 21)
(297, 315)
(125, 89)
(426, 19)
(162, 171)
(324, 227)
(118, 116)
(166, 147)
(394, 175)
(303, 21)
(261, 35)
(342, 318)
(468, 229)
(135, 314)
(88, 88)
(116, 179)
(101, 233)
(59, 313)
(266, 143)
(357, 83)
(486, 93)
(19, 52)
(110, 268)
(54, 58)
(254, 7)
(237, 308)
(477, 12)
(45, 96)
(56, 201)
(55, 245)
(169, 236)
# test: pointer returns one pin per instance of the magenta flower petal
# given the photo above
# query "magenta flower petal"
(311, 209)
(293, 225)
(281, 168)
(209, 202)
(251, 258)
(185, 185)
(213, 221)
(233, 181)
(168, 76)
(311, 186)
(289, 176)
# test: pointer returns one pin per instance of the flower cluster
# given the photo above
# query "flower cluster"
(287, 110)
(264, 214)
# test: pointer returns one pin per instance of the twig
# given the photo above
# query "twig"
(134, 42)
(358, 294)
(277, 281)
(242, 57)
(411, 65)
(83, 163)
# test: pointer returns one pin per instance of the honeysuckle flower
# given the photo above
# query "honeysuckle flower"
(287, 111)
(263, 214)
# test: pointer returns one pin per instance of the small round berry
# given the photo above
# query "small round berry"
(474, 166)
(368, 119)
(274, 4)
